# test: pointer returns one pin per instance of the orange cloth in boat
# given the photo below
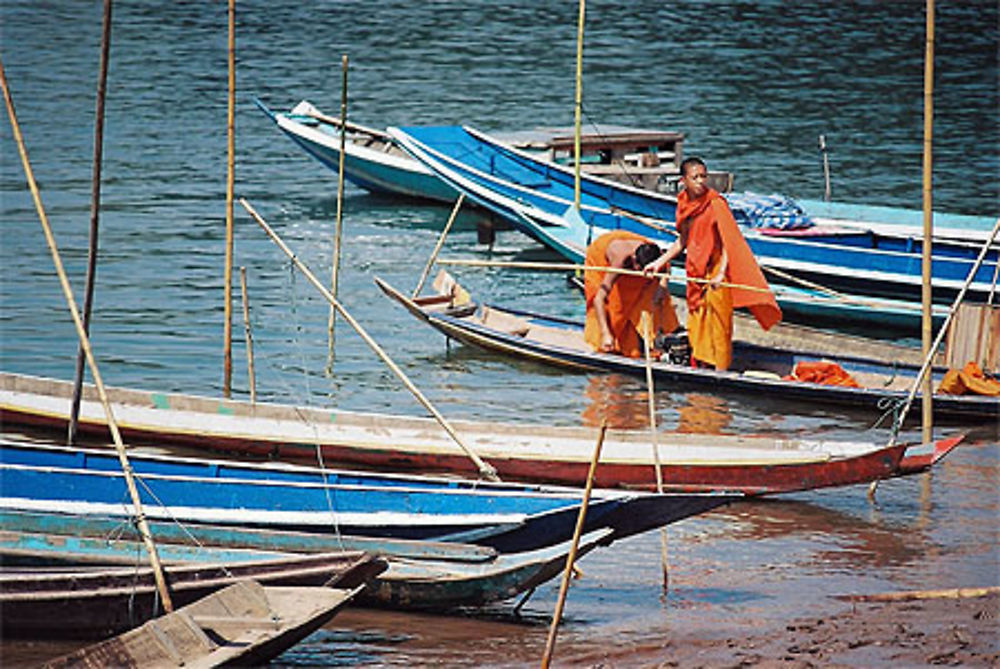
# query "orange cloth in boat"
(710, 324)
(821, 371)
(969, 380)
(711, 224)
(629, 297)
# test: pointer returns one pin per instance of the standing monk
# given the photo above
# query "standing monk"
(716, 254)
(615, 302)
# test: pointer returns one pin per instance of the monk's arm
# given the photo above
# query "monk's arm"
(657, 265)
(601, 308)
(720, 275)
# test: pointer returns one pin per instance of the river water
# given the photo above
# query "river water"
(752, 84)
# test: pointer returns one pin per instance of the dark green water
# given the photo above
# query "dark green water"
(752, 84)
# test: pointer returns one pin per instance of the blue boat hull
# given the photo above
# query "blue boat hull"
(535, 197)
(507, 518)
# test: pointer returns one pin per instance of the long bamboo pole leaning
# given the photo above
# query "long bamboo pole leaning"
(944, 327)
(147, 537)
(249, 335)
(550, 643)
(927, 323)
(338, 233)
(95, 209)
(227, 336)
(929, 355)
(658, 225)
(646, 325)
(564, 266)
(485, 469)
(437, 247)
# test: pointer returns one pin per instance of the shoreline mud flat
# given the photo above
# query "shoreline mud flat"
(911, 633)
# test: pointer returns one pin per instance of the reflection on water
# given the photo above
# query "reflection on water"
(617, 399)
(704, 414)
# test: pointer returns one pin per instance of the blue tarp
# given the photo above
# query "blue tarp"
(753, 210)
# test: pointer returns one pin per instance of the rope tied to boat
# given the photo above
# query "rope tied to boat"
(890, 407)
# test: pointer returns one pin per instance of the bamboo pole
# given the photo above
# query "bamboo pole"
(578, 108)
(95, 209)
(914, 595)
(646, 324)
(657, 225)
(440, 243)
(928, 357)
(249, 335)
(338, 233)
(147, 538)
(485, 469)
(927, 324)
(227, 344)
(550, 643)
(559, 267)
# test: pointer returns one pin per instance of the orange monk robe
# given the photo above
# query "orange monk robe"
(969, 380)
(629, 297)
(710, 310)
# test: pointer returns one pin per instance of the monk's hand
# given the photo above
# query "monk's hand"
(607, 343)
(652, 267)
(716, 280)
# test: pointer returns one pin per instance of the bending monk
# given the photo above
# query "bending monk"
(615, 302)
(716, 254)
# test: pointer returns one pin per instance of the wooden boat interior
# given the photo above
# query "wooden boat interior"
(750, 358)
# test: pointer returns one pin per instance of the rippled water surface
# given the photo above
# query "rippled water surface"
(752, 84)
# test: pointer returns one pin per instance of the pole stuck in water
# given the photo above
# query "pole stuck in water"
(578, 106)
(550, 643)
(927, 322)
(646, 327)
(249, 335)
(485, 469)
(339, 228)
(140, 517)
(227, 343)
(95, 209)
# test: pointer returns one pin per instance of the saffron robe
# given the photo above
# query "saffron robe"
(711, 228)
(629, 297)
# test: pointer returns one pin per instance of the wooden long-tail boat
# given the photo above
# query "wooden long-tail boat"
(95, 603)
(244, 624)
(509, 517)
(534, 196)
(689, 462)
(426, 583)
(757, 368)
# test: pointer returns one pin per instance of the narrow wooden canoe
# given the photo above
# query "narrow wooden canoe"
(235, 537)
(408, 583)
(95, 603)
(244, 624)
(689, 462)
(756, 368)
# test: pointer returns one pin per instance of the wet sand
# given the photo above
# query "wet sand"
(949, 632)
(956, 632)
